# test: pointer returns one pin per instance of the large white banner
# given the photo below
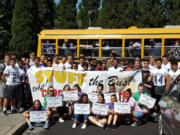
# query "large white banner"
(41, 78)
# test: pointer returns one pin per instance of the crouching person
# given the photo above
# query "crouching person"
(99, 120)
(140, 111)
(36, 107)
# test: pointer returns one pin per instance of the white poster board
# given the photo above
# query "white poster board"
(81, 108)
(107, 97)
(101, 109)
(38, 116)
(121, 107)
(54, 101)
(147, 101)
(70, 95)
(93, 97)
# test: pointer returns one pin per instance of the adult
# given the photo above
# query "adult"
(165, 63)
(69, 62)
(10, 76)
(115, 66)
(42, 61)
(20, 86)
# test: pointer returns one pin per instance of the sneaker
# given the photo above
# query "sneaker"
(83, 126)
(134, 124)
(21, 110)
(108, 127)
(100, 125)
(154, 114)
(74, 125)
(4, 113)
(46, 126)
(31, 127)
(12, 112)
(61, 120)
(113, 126)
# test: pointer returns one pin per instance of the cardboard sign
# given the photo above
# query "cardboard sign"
(147, 101)
(70, 95)
(101, 109)
(93, 97)
(121, 107)
(54, 101)
(81, 108)
(38, 116)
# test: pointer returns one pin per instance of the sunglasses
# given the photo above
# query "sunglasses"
(51, 91)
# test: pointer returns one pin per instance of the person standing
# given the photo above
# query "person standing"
(161, 81)
(20, 86)
(10, 76)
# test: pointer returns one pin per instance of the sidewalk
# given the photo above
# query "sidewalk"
(12, 124)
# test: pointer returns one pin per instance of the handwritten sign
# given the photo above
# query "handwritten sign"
(81, 108)
(101, 109)
(38, 116)
(147, 101)
(121, 107)
(70, 95)
(54, 101)
(107, 97)
(93, 97)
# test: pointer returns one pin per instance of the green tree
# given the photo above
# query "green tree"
(172, 10)
(107, 15)
(118, 13)
(5, 24)
(66, 13)
(46, 11)
(23, 23)
(88, 13)
(151, 13)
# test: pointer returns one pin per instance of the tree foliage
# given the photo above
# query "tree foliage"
(23, 24)
(66, 13)
(88, 13)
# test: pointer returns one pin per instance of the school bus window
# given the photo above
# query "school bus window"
(48, 47)
(152, 47)
(111, 47)
(172, 47)
(132, 47)
(67, 47)
(89, 47)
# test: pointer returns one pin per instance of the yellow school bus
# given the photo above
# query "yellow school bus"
(103, 43)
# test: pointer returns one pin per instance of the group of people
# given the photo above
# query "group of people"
(157, 77)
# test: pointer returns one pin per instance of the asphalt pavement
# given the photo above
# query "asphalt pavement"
(149, 128)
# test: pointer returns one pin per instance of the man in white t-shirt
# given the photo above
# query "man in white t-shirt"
(81, 62)
(68, 64)
(20, 86)
(115, 66)
(62, 64)
(36, 64)
(10, 77)
(174, 72)
(165, 64)
(161, 81)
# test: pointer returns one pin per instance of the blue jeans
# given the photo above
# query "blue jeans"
(76, 116)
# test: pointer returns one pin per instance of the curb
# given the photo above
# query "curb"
(18, 129)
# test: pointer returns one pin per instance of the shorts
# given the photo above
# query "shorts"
(2, 88)
(10, 91)
(138, 114)
(159, 90)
